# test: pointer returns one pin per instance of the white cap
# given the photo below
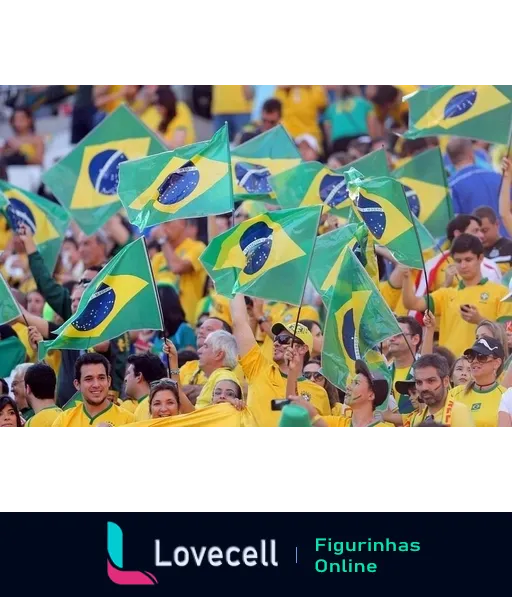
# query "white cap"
(310, 140)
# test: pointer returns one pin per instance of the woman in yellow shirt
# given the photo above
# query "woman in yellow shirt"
(25, 147)
(171, 119)
(483, 395)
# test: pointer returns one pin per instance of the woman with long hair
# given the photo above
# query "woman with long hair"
(312, 373)
(483, 395)
(25, 147)
(9, 413)
(460, 373)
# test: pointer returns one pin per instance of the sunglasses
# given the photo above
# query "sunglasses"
(314, 376)
(480, 358)
(287, 341)
(163, 382)
(84, 282)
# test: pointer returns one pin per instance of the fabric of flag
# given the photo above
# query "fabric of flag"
(3, 200)
(426, 189)
(9, 308)
(190, 182)
(358, 321)
(310, 183)
(219, 415)
(381, 204)
(260, 158)
(427, 241)
(328, 256)
(377, 364)
(266, 257)
(46, 220)
(12, 350)
(86, 181)
(474, 111)
(121, 298)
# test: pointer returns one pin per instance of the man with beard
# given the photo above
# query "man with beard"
(432, 376)
(92, 380)
(369, 390)
(268, 379)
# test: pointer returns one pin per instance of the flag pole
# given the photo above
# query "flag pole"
(307, 277)
(163, 333)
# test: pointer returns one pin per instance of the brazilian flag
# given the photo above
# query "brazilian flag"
(424, 180)
(3, 200)
(260, 158)
(85, 182)
(122, 297)
(48, 221)
(190, 182)
(474, 111)
(357, 322)
(381, 204)
(329, 254)
(9, 308)
(12, 350)
(267, 257)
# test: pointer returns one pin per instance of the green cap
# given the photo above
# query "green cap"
(295, 416)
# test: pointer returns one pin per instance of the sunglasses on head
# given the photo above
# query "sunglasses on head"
(84, 282)
(313, 375)
(288, 340)
(480, 358)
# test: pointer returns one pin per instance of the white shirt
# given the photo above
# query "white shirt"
(506, 403)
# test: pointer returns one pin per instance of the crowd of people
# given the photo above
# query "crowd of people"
(450, 367)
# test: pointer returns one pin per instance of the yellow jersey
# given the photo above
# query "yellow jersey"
(230, 99)
(142, 411)
(344, 421)
(5, 232)
(267, 383)
(45, 417)
(22, 331)
(206, 397)
(129, 405)
(455, 333)
(484, 405)
(191, 374)
(393, 298)
(182, 121)
(113, 416)
(302, 105)
(113, 104)
(454, 414)
(191, 285)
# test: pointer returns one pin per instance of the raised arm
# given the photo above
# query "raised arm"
(506, 188)
(411, 301)
(241, 326)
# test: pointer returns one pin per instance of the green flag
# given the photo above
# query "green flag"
(474, 111)
(85, 182)
(328, 256)
(121, 298)
(9, 308)
(381, 204)
(3, 200)
(47, 220)
(260, 158)
(267, 257)
(12, 350)
(357, 322)
(190, 182)
(426, 189)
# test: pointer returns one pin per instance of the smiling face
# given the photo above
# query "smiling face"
(8, 417)
(164, 404)
(94, 384)
(484, 368)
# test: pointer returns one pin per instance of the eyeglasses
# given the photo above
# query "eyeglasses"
(480, 358)
(288, 341)
(314, 376)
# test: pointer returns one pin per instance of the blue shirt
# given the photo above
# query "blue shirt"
(473, 187)
(262, 93)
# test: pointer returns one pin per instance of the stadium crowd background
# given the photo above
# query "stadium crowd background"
(221, 352)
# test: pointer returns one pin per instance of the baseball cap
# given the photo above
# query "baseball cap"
(301, 333)
(404, 387)
(378, 382)
(488, 347)
(294, 415)
(310, 140)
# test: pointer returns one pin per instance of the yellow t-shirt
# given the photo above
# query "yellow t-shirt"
(347, 422)
(113, 415)
(45, 417)
(220, 308)
(230, 99)
(22, 331)
(393, 298)
(129, 405)
(141, 412)
(484, 405)
(5, 233)
(267, 383)
(112, 105)
(205, 398)
(183, 120)
(301, 109)
(455, 333)
(454, 414)
(191, 285)
(191, 374)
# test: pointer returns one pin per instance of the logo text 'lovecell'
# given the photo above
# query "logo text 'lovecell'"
(264, 555)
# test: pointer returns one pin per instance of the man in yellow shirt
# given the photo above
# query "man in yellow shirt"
(141, 372)
(302, 106)
(432, 375)
(178, 264)
(92, 380)
(461, 309)
(368, 390)
(267, 379)
(403, 350)
(231, 104)
(40, 384)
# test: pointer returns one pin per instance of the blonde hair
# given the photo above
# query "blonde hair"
(498, 333)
